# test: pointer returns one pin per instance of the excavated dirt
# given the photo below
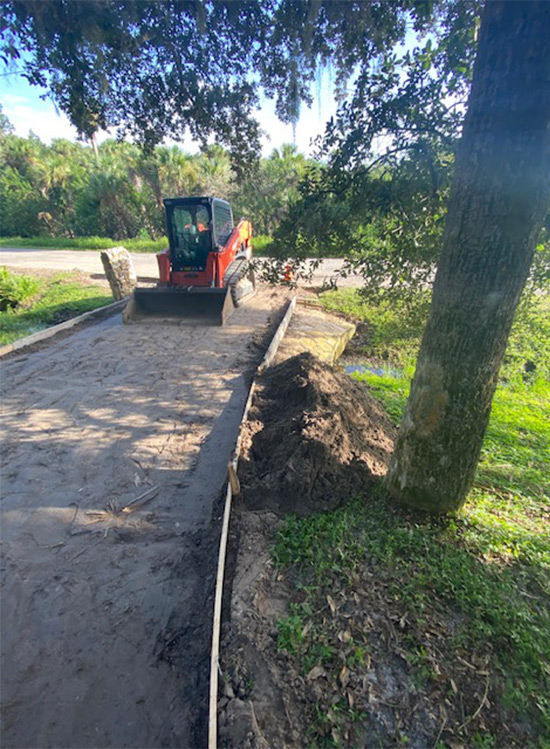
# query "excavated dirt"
(313, 439)
(258, 705)
(355, 667)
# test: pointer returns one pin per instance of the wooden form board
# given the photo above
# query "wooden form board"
(216, 624)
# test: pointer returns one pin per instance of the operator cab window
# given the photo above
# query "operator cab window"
(191, 232)
(223, 222)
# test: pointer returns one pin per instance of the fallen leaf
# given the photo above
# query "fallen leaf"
(316, 673)
(344, 676)
(344, 635)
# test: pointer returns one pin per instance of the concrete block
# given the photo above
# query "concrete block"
(325, 336)
(119, 270)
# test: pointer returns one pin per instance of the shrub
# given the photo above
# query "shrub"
(15, 289)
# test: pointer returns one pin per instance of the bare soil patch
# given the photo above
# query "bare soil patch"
(374, 677)
(313, 438)
(259, 705)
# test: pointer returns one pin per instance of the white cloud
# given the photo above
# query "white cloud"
(47, 124)
(28, 112)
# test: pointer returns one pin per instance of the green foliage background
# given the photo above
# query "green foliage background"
(64, 190)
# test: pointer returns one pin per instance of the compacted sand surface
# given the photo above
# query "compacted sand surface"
(106, 605)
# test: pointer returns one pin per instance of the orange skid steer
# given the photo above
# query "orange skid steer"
(205, 272)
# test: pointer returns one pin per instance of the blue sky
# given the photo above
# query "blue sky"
(23, 105)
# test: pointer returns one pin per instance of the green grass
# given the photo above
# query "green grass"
(260, 243)
(394, 330)
(53, 300)
(85, 243)
(487, 570)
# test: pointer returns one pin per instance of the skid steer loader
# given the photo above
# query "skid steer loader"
(205, 272)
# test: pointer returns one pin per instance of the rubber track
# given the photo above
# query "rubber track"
(235, 273)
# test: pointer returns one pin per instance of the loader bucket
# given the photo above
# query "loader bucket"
(194, 304)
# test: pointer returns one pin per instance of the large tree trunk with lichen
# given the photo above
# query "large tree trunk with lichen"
(499, 198)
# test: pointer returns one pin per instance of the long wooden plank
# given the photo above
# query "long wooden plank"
(277, 338)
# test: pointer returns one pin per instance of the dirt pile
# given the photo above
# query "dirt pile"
(313, 439)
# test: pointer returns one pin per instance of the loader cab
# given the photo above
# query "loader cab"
(196, 227)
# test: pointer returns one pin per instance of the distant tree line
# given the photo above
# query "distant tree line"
(386, 218)
(66, 189)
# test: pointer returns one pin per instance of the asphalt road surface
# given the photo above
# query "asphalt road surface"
(145, 264)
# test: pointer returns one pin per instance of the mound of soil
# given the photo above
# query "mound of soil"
(313, 439)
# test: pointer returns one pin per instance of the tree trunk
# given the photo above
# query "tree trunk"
(499, 198)
(93, 141)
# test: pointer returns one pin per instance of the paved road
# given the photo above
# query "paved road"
(87, 261)
(106, 614)
(145, 264)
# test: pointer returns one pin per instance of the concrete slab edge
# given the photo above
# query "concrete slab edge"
(42, 335)
(218, 596)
